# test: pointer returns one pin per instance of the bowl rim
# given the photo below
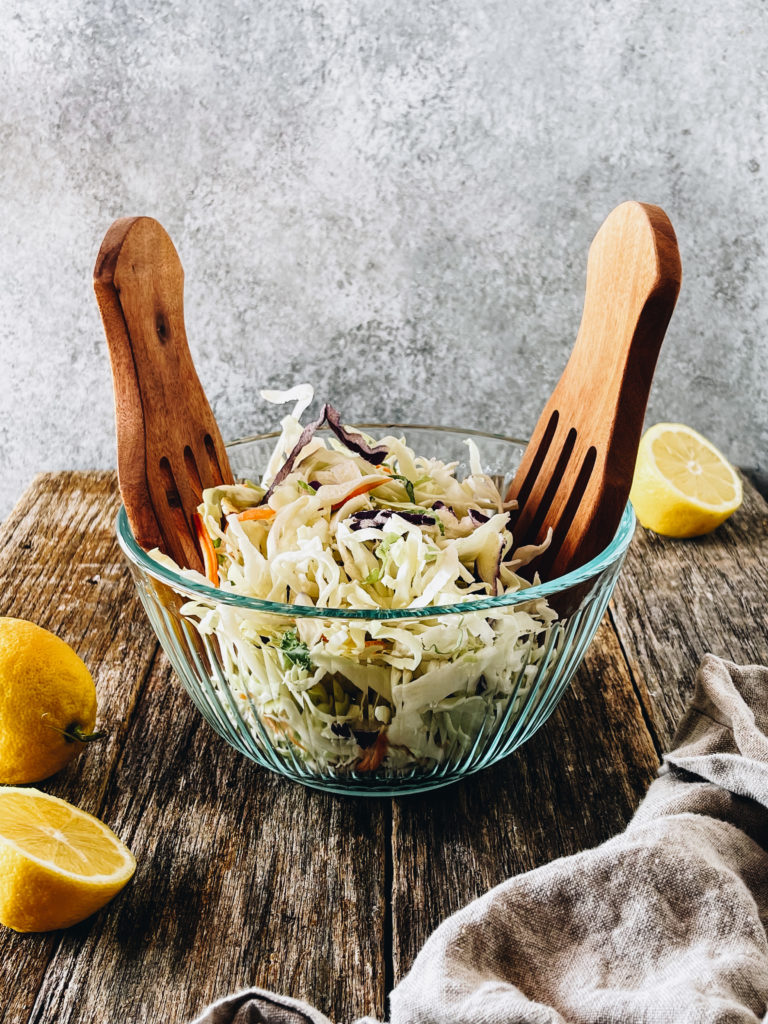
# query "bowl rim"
(611, 554)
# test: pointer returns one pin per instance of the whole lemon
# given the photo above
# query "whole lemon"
(47, 702)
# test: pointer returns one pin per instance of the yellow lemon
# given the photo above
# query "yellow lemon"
(47, 702)
(58, 865)
(683, 486)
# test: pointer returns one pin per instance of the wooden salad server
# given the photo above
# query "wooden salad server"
(577, 470)
(168, 444)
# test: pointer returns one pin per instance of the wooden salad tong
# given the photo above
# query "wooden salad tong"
(169, 447)
(577, 470)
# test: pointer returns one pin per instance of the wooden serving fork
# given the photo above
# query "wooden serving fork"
(168, 444)
(577, 470)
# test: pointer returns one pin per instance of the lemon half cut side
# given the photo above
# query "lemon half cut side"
(683, 486)
(58, 864)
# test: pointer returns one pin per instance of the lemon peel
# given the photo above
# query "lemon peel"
(47, 702)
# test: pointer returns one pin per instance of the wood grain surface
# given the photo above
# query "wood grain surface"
(679, 600)
(245, 879)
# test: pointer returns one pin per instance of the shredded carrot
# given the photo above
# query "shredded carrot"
(207, 549)
(283, 729)
(262, 512)
(369, 485)
(374, 755)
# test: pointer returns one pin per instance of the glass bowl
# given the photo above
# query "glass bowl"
(355, 725)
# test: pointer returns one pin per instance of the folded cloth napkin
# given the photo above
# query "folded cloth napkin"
(664, 923)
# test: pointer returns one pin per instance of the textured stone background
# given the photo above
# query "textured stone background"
(392, 200)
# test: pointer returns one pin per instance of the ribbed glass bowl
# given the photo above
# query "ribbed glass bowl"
(311, 738)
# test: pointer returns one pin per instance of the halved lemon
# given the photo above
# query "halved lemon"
(683, 486)
(58, 864)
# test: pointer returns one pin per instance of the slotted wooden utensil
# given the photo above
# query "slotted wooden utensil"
(168, 443)
(577, 470)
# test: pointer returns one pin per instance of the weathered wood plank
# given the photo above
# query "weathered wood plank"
(576, 782)
(243, 878)
(60, 567)
(677, 600)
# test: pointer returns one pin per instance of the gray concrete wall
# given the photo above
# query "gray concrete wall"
(392, 200)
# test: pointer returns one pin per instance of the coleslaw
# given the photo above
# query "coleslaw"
(343, 521)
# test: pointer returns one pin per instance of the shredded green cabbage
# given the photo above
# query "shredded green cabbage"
(342, 532)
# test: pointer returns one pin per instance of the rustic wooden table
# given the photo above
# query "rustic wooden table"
(246, 879)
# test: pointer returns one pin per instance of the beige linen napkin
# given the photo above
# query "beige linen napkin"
(664, 924)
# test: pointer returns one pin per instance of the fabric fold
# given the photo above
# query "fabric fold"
(663, 924)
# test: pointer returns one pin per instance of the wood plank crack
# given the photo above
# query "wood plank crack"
(641, 691)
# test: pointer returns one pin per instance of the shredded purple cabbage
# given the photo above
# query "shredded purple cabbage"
(378, 518)
(304, 439)
(478, 518)
(355, 442)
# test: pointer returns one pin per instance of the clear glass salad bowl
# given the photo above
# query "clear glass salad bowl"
(357, 726)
